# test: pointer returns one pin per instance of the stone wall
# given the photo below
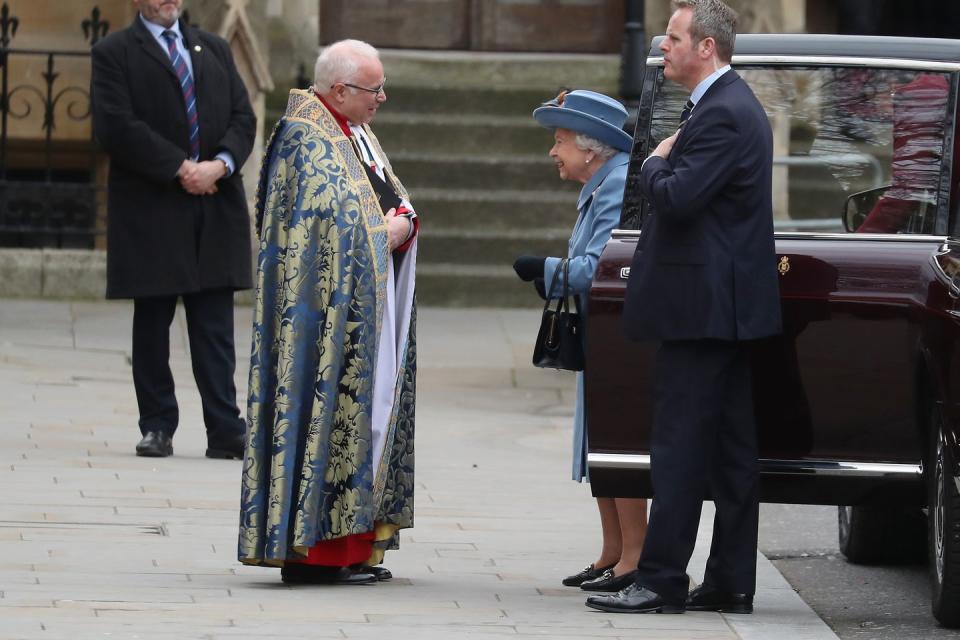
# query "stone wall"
(293, 28)
(57, 25)
(285, 34)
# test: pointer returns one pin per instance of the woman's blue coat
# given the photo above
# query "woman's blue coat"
(601, 200)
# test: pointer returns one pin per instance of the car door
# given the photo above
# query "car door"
(859, 223)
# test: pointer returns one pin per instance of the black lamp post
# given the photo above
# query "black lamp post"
(633, 59)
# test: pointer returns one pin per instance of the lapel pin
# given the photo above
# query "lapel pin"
(197, 48)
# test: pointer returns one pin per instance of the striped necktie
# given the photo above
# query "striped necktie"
(687, 108)
(189, 94)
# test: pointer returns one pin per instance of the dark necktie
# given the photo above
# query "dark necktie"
(368, 156)
(687, 108)
(189, 94)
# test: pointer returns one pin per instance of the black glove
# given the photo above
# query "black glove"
(541, 288)
(529, 267)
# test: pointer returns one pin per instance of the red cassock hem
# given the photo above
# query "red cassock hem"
(341, 552)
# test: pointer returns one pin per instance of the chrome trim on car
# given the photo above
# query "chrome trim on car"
(842, 468)
(805, 235)
(641, 462)
(859, 237)
(618, 461)
(848, 61)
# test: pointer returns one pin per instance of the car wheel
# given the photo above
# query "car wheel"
(873, 534)
(944, 530)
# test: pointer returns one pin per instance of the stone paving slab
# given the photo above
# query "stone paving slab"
(96, 543)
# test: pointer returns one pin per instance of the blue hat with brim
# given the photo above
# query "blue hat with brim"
(590, 113)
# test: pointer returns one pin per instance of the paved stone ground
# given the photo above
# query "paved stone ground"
(96, 543)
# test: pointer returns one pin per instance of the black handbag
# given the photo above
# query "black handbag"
(560, 343)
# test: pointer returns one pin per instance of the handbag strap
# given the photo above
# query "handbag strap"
(562, 303)
(566, 279)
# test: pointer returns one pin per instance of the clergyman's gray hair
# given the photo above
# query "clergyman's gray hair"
(712, 19)
(602, 149)
(339, 62)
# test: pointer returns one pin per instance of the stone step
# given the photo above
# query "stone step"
(465, 100)
(460, 134)
(451, 133)
(494, 70)
(513, 172)
(488, 247)
(499, 209)
(459, 285)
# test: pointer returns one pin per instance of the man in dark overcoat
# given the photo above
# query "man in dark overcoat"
(173, 114)
(704, 284)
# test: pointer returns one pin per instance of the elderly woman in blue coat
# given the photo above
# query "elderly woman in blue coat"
(590, 147)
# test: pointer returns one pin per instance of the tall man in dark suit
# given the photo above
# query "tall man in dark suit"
(703, 283)
(173, 114)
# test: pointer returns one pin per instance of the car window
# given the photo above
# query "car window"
(855, 150)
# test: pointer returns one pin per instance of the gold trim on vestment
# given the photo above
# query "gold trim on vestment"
(305, 106)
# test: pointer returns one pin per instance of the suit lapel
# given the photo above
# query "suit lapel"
(191, 42)
(151, 46)
(724, 80)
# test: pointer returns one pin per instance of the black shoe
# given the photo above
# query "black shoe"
(635, 599)
(610, 582)
(708, 598)
(299, 573)
(230, 449)
(155, 444)
(589, 573)
(382, 574)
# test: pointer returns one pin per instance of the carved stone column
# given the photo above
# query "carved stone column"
(294, 30)
(231, 20)
(770, 16)
(780, 16)
(756, 16)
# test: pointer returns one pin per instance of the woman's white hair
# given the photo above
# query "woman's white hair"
(340, 61)
(602, 149)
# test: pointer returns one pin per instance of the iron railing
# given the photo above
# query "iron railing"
(49, 189)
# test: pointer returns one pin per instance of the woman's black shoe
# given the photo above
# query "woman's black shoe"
(610, 582)
(589, 573)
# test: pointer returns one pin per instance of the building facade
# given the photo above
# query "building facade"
(487, 62)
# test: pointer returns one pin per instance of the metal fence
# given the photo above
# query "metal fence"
(49, 188)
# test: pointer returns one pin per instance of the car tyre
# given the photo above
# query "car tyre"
(874, 534)
(943, 515)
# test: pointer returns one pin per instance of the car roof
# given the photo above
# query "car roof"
(809, 45)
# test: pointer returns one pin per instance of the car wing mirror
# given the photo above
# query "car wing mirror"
(859, 205)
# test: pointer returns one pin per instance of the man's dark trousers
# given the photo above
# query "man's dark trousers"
(210, 331)
(703, 415)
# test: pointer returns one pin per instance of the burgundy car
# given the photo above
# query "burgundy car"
(858, 401)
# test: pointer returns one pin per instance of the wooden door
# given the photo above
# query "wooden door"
(581, 26)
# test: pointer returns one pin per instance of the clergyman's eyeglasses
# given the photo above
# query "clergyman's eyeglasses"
(375, 91)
